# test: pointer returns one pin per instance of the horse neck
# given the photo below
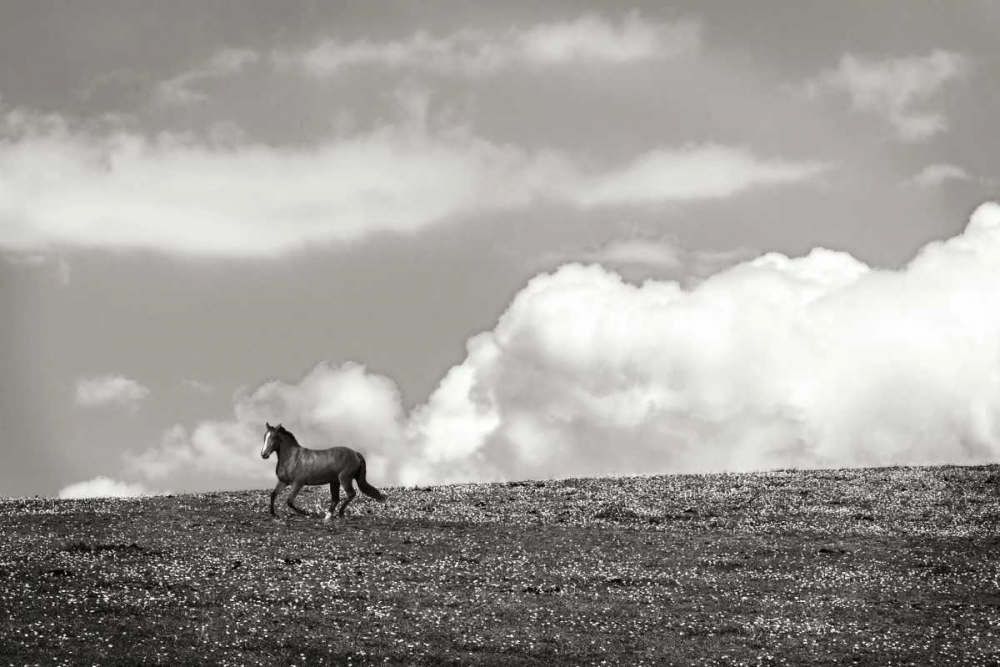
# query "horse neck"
(286, 448)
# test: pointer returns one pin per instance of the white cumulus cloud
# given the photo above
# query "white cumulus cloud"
(103, 487)
(109, 390)
(812, 361)
(332, 405)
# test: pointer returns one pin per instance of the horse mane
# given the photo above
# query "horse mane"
(285, 432)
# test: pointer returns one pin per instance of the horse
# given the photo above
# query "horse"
(299, 466)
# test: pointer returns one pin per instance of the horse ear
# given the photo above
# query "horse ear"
(268, 424)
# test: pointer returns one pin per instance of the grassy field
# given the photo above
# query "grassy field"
(876, 567)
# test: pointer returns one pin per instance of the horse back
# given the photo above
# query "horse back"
(320, 466)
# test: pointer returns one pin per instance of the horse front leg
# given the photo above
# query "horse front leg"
(296, 487)
(278, 488)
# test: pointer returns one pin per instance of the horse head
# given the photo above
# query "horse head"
(271, 438)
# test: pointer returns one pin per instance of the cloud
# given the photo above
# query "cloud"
(938, 174)
(695, 172)
(60, 269)
(332, 405)
(587, 40)
(591, 38)
(70, 187)
(63, 272)
(199, 387)
(213, 449)
(895, 88)
(703, 263)
(103, 487)
(109, 390)
(184, 89)
(656, 253)
(814, 361)
(639, 257)
(29, 259)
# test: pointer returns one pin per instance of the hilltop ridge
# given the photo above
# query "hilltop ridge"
(882, 566)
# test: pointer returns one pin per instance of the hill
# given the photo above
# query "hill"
(884, 566)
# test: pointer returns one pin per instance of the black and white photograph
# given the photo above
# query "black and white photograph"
(554, 333)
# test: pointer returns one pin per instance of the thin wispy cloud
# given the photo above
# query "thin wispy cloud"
(639, 257)
(899, 90)
(934, 175)
(109, 390)
(646, 252)
(695, 172)
(199, 387)
(588, 39)
(32, 259)
(58, 268)
(179, 195)
(185, 88)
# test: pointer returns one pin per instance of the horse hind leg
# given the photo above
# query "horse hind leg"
(334, 499)
(296, 487)
(347, 481)
(278, 488)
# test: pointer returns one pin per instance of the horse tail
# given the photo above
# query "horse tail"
(363, 484)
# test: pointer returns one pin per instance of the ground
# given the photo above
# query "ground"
(889, 566)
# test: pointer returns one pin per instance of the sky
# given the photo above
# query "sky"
(495, 241)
